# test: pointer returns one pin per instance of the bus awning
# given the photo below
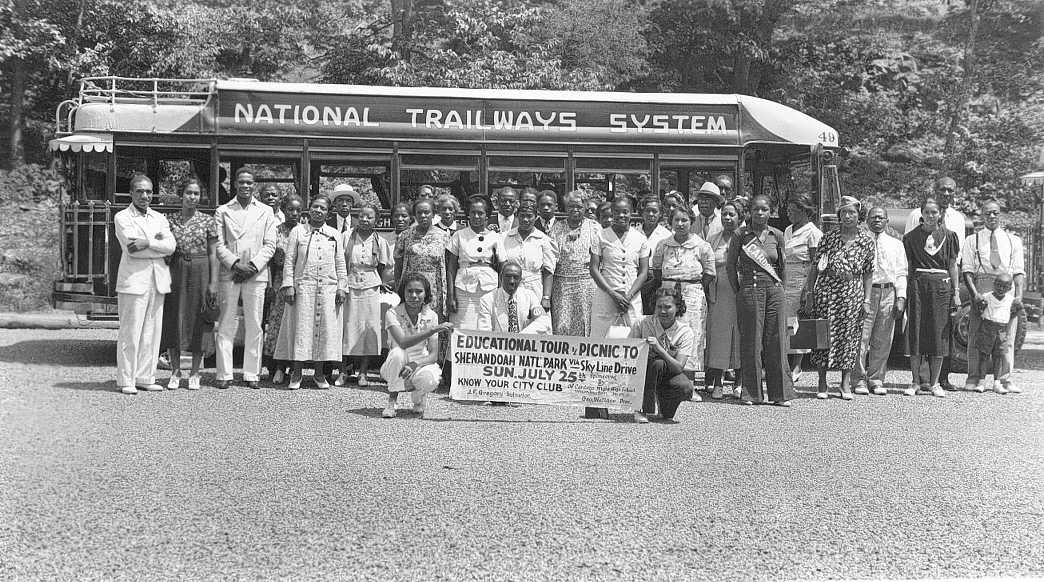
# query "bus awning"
(82, 142)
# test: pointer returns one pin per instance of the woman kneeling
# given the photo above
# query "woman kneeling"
(669, 347)
(412, 328)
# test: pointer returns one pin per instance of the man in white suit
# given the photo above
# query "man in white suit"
(141, 282)
(512, 308)
(246, 242)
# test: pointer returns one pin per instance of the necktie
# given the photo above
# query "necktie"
(512, 315)
(995, 260)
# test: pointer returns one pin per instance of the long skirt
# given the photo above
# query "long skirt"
(362, 322)
(723, 349)
(606, 314)
(183, 328)
(929, 298)
(840, 302)
(272, 326)
(695, 318)
(797, 274)
(571, 305)
(467, 314)
(311, 327)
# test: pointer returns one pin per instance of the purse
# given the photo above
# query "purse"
(811, 334)
(210, 311)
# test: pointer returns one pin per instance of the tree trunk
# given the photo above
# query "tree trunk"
(967, 75)
(402, 27)
(16, 151)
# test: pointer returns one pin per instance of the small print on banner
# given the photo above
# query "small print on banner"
(548, 369)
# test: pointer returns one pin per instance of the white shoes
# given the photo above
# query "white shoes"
(363, 382)
(129, 390)
(999, 388)
(174, 382)
(150, 387)
(822, 395)
(879, 391)
(861, 390)
(389, 412)
(938, 391)
(695, 397)
(295, 382)
(640, 418)
(342, 380)
(320, 382)
(193, 382)
(912, 390)
(1013, 388)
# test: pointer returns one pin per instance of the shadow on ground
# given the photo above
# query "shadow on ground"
(75, 353)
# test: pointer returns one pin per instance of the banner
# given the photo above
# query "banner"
(548, 369)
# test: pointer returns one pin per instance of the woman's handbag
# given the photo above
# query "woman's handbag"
(209, 310)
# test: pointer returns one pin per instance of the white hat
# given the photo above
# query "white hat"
(342, 190)
(711, 189)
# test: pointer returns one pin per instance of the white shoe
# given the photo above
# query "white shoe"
(389, 412)
(193, 382)
(696, 397)
(861, 390)
(320, 382)
(129, 390)
(822, 395)
(879, 391)
(938, 391)
(980, 387)
(150, 387)
(1000, 389)
(1013, 388)
(363, 382)
(174, 382)
(295, 382)
(640, 418)
(911, 391)
(342, 380)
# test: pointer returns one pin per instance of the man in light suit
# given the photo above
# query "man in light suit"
(141, 282)
(246, 242)
(708, 215)
(512, 308)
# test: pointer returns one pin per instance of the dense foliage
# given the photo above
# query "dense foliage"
(890, 75)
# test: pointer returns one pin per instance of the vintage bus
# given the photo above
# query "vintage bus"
(388, 141)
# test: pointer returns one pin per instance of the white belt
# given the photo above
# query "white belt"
(943, 271)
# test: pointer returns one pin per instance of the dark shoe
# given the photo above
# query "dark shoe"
(947, 386)
(221, 384)
(253, 384)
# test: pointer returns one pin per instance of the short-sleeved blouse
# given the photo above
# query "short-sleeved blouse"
(426, 319)
(362, 258)
(620, 256)
(687, 260)
(573, 246)
(475, 252)
(796, 244)
(852, 259)
(192, 235)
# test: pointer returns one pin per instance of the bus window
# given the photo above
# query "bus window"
(85, 175)
(127, 165)
(687, 178)
(455, 174)
(520, 171)
(371, 180)
(614, 176)
(172, 174)
(281, 173)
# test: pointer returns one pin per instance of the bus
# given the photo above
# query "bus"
(386, 142)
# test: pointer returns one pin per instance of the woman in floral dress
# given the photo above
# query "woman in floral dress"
(194, 275)
(421, 250)
(292, 207)
(841, 279)
(572, 288)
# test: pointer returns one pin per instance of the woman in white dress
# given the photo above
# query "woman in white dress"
(369, 262)
(313, 289)
(800, 246)
(471, 264)
(619, 267)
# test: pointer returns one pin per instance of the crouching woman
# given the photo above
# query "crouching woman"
(412, 328)
(670, 344)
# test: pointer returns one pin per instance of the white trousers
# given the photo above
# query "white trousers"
(252, 293)
(137, 345)
(424, 380)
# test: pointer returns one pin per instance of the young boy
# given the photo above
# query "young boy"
(997, 309)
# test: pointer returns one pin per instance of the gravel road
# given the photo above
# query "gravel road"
(314, 484)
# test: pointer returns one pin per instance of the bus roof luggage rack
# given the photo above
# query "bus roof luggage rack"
(155, 91)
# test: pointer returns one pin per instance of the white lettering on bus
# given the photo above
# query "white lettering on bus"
(568, 120)
(310, 115)
(264, 113)
(453, 120)
(716, 124)
(281, 108)
(503, 119)
(661, 123)
(331, 115)
(246, 111)
(413, 116)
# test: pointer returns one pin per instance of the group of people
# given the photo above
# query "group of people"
(318, 284)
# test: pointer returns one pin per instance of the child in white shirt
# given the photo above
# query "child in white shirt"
(997, 309)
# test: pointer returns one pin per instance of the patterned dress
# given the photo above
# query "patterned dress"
(840, 300)
(683, 265)
(183, 328)
(275, 312)
(572, 288)
(425, 255)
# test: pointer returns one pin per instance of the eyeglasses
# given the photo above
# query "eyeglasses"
(991, 212)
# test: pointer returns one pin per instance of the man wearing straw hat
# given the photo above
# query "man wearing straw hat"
(708, 217)
(344, 197)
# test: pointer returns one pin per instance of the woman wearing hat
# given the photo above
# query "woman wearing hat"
(801, 244)
(841, 281)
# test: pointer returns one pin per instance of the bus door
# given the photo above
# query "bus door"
(368, 173)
